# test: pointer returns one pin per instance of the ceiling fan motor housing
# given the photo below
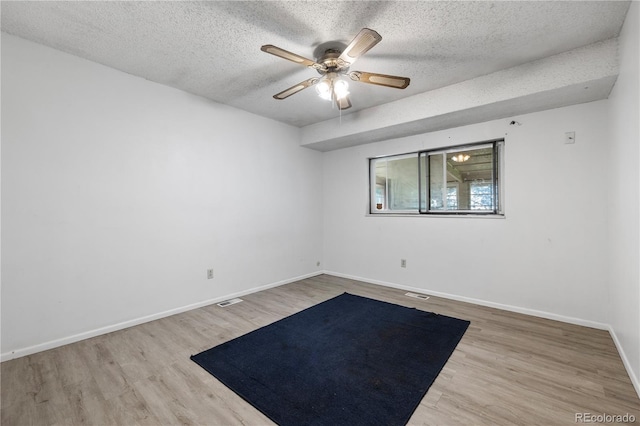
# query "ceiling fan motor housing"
(331, 60)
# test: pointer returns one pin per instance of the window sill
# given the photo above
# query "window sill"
(458, 215)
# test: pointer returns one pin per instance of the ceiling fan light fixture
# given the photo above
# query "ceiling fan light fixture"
(324, 89)
(331, 87)
(340, 89)
(460, 158)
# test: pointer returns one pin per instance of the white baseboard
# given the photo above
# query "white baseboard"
(518, 309)
(625, 361)
(130, 323)
(511, 308)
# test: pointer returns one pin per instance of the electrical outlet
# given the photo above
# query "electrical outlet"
(403, 263)
(209, 274)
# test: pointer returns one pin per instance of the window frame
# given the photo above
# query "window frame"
(372, 194)
(423, 179)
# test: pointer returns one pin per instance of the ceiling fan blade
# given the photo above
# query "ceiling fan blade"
(380, 79)
(343, 103)
(285, 54)
(365, 40)
(296, 88)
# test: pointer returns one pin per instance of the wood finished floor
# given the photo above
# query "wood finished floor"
(508, 368)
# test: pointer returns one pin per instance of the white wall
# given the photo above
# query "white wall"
(624, 214)
(548, 256)
(119, 193)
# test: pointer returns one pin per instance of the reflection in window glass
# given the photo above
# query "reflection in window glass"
(437, 183)
(396, 183)
(481, 196)
(452, 197)
(463, 179)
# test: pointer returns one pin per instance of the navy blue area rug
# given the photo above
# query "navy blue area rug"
(348, 361)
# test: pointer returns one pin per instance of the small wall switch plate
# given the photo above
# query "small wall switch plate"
(403, 263)
(570, 137)
(209, 274)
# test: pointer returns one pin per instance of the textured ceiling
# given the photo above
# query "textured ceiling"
(213, 48)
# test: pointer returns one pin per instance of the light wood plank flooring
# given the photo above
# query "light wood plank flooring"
(508, 369)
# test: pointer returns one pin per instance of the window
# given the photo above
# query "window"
(396, 184)
(456, 180)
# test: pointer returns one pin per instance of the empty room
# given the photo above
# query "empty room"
(320, 213)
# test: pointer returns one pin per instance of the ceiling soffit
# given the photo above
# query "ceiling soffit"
(581, 75)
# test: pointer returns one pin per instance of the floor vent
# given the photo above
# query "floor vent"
(229, 302)
(417, 296)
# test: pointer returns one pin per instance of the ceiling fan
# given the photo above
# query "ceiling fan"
(333, 66)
